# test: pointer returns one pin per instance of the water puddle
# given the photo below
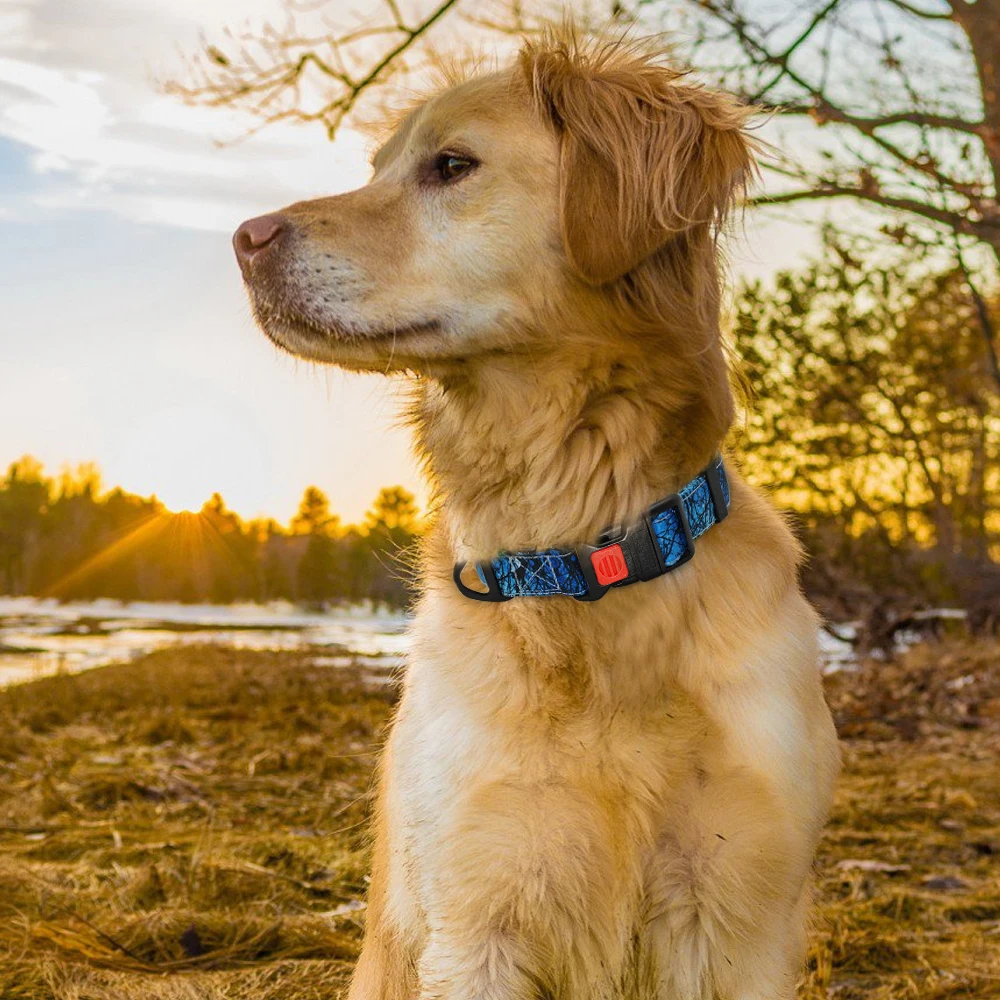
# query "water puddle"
(42, 637)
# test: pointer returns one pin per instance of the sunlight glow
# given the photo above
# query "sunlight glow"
(139, 536)
(195, 535)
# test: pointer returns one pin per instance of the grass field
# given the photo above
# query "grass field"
(192, 825)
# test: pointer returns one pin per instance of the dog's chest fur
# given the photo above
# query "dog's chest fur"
(667, 815)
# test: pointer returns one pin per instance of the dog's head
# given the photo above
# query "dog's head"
(494, 206)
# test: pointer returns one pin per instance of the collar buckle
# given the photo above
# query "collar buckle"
(626, 555)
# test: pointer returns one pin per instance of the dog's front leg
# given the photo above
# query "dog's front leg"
(382, 972)
(527, 900)
(386, 968)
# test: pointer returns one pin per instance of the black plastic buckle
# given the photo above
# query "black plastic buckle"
(636, 547)
(492, 594)
(672, 502)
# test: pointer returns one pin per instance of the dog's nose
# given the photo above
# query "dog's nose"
(256, 236)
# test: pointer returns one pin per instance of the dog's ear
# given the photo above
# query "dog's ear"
(644, 156)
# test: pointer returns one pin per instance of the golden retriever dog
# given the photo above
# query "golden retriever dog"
(579, 799)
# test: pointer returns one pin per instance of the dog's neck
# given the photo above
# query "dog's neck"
(548, 450)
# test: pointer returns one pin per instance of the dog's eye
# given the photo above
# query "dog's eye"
(451, 166)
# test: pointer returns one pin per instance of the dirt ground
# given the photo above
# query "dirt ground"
(192, 825)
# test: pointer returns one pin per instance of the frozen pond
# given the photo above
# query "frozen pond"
(39, 637)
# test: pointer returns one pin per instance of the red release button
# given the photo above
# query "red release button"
(609, 565)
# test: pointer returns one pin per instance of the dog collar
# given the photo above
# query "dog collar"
(660, 542)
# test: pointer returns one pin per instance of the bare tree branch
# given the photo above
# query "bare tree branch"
(782, 60)
(927, 15)
(928, 150)
(953, 220)
(823, 113)
(266, 73)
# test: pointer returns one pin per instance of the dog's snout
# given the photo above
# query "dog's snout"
(256, 236)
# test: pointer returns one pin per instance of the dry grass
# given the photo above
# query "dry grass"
(199, 812)
(192, 826)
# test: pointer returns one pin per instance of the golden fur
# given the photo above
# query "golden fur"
(605, 800)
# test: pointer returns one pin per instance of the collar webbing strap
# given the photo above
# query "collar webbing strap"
(657, 544)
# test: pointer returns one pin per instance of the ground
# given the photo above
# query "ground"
(192, 825)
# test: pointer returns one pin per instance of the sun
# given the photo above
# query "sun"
(182, 498)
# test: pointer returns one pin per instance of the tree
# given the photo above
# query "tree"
(910, 92)
(313, 516)
(228, 552)
(318, 575)
(874, 409)
(392, 525)
(24, 497)
(84, 480)
(320, 75)
(394, 511)
(906, 97)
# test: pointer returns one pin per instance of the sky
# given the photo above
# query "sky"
(125, 335)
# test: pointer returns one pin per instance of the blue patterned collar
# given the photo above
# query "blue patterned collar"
(659, 543)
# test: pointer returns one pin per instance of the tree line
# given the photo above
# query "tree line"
(67, 538)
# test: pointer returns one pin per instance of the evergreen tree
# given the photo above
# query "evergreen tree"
(317, 573)
(24, 499)
(314, 515)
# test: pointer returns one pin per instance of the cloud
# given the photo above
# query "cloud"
(78, 96)
(15, 25)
